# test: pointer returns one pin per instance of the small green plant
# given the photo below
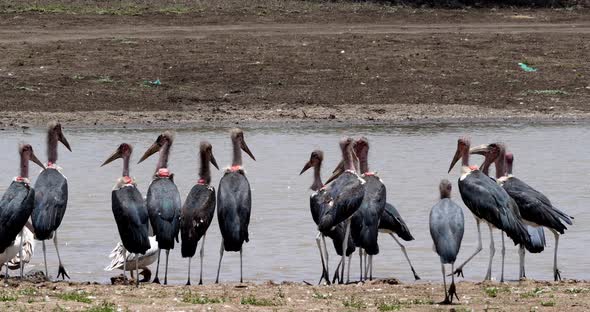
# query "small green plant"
(389, 306)
(77, 77)
(7, 297)
(318, 295)
(103, 307)
(354, 303)
(533, 293)
(105, 79)
(492, 292)
(576, 290)
(251, 300)
(419, 301)
(78, 296)
(30, 291)
(550, 303)
(188, 298)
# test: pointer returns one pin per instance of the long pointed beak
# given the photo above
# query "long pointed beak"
(64, 141)
(213, 161)
(455, 159)
(151, 151)
(336, 173)
(247, 150)
(307, 166)
(480, 149)
(115, 155)
(36, 160)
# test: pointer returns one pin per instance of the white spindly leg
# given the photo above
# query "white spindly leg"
(156, 279)
(318, 240)
(62, 271)
(521, 254)
(219, 266)
(442, 267)
(124, 263)
(188, 279)
(241, 279)
(344, 247)
(492, 253)
(459, 269)
(503, 252)
(348, 269)
(136, 270)
(45, 260)
(556, 272)
(361, 262)
(370, 267)
(166, 268)
(202, 255)
(20, 255)
(403, 248)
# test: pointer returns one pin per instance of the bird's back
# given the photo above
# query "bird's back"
(234, 203)
(490, 202)
(16, 207)
(392, 222)
(196, 215)
(51, 199)
(132, 218)
(163, 204)
(365, 221)
(347, 192)
(534, 206)
(447, 226)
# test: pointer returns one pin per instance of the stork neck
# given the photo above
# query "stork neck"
(465, 157)
(485, 167)
(501, 165)
(509, 167)
(317, 178)
(237, 150)
(347, 159)
(52, 147)
(126, 165)
(24, 166)
(445, 193)
(205, 168)
(364, 163)
(164, 152)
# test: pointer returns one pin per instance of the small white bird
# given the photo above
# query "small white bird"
(122, 258)
(11, 256)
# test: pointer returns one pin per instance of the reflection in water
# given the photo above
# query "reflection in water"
(411, 160)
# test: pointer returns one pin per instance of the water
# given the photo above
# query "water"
(410, 160)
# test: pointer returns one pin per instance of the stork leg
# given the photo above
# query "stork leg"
(202, 255)
(348, 269)
(503, 252)
(241, 280)
(156, 279)
(45, 260)
(366, 264)
(166, 268)
(370, 267)
(61, 271)
(124, 264)
(20, 256)
(453, 289)
(361, 263)
(6, 272)
(188, 279)
(446, 301)
(344, 248)
(219, 266)
(337, 274)
(492, 253)
(556, 272)
(324, 275)
(521, 254)
(327, 258)
(459, 270)
(136, 270)
(403, 248)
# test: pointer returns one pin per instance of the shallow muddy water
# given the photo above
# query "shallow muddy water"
(411, 161)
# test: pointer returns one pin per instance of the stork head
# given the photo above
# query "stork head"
(165, 138)
(206, 151)
(445, 187)
(491, 152)
(361, 147)
(315, 160)
(54, 131)
(462, 150)
(509, 161)
(26, 153)
(123, 151)
(237, 136)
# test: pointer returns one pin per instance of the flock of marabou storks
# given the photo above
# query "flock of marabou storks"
(350, 208)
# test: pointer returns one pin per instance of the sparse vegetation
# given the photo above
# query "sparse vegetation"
(252, 300)
(533, 293)
(318, 295)
(105, 79)
(389, 306)
(78, 296)
(354, 302)
(103, 307)
(492, 292)
(189, 298)
(576, 290)
(7, 297)
(549, 303)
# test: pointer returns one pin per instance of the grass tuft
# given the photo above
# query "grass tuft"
(354, 302)
(103, 307)
(188, 298)
(78, 296)
(252, 300)
(492, 292)
(7, 297)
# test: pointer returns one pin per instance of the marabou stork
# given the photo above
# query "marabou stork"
(317, 202)
(234, 202)
(129, 210)
(125, 260)
(447, 226)
(535, 208)
(198, 210)
(346, 194)
(17, 204)
(391, 222)
(163, 200)
(51, 197)
(489, 203)
(365, 221)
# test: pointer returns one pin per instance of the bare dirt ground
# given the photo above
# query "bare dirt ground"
(373, 296)
(267, 61)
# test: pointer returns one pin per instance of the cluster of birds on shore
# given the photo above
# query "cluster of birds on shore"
(351, 208)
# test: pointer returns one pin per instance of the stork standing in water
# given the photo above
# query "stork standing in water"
(129, 210)
(447, 226)
(489, 203)
(163, 200)
(51, 197)
(198, 210)
(365, 222)
(346, 193)
(17, 204)
(391, 222)
(317, 202)
(234, 202)
(536, 209)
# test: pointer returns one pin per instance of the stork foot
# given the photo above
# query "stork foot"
(188, 283)
(62, 272)
(416, 277)
(156, 280)
(557, 275)
(200, 282)
(147, 275)
(458, 272)
(453, 292)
